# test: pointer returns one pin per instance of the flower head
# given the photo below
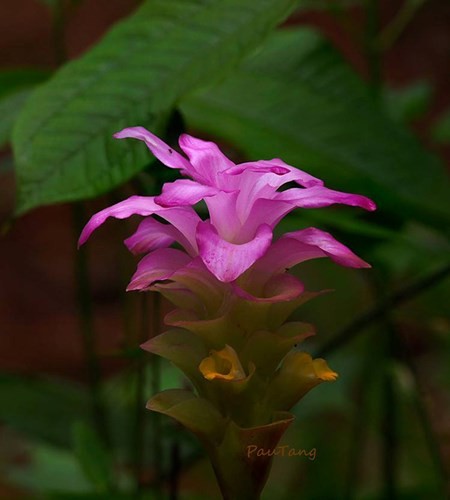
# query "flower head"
(235, 244)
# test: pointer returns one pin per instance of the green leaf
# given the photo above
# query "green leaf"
(134, 76)
(48, 468)
(12, 80)
(10, 107)
(15, 88)
(93, 457)
(441, 129)
(42, 408)
(298, 100)
(196, 414)
(408, 103)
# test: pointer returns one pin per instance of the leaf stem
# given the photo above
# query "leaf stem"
(386, 304)
(430, 437)
(396, 27)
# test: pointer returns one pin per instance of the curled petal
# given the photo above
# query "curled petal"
(184, 192)
(227, 261)
(206, 159)
(151, 235)
(330, 247)
(159, 148)
(184, 219)
(319, 196)
(140, 205)
(300, 246)
(157, 266)
(260, 167)
(286, 173)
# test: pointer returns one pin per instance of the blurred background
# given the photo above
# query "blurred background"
(357, 93)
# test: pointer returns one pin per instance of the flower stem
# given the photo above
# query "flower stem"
(86, 321)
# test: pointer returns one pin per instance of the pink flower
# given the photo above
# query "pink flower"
(235, 243)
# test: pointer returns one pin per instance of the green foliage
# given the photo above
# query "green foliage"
(408, 103)
(49, 469)
(44, 409)
(143, 66)
(94, 459)
(15, 88)
(441, 129)
(298, 97)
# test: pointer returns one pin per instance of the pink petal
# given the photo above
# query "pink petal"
(205, 157)
(279, 288)
(260, 167)
(184, 192)
(300, 246)
(223, 215)
(286, 172)
(184, 219)
(318, 196)
(140, 205)
(157, 266)
(322, 240)
(227, 261)
(159, 148)
(151, 235)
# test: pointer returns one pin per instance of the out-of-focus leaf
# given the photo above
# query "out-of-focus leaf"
(99, 496)
(441, 129)
(134, 76)
(15, 88)
(10, 106)
(41, 408)
(13, 80)
(93, 457)
(408, 103)
(49, 468)
(298, 100)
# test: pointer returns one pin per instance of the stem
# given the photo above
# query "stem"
(389, 414)
(397, 26)
(58, 32)
(358, 432)
(86, 320)
(386, 304)
(157, 444)
(139, 423)
(432, 441)
(371, 48)
(175, 466)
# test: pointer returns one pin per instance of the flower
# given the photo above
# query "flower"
(222, 365)
(235, 244)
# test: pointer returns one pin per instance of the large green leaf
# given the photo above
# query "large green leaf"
(15, 87)
(298, 100)
(134, 76)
